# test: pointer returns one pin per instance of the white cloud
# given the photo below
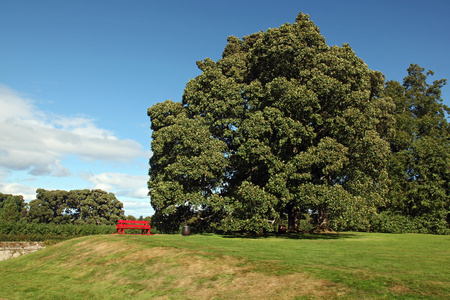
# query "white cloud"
(28, 192)
(36, 141)
(125, 185)
(137, 209)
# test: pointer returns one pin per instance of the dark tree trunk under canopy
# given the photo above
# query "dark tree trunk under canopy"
(293, 218)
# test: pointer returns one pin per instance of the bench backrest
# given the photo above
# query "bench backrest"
(132, 222)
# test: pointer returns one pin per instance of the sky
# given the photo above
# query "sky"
(77, 77)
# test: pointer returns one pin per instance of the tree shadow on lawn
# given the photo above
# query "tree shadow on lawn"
(293, 235)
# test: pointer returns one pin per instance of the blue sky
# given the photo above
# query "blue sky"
(77, 77)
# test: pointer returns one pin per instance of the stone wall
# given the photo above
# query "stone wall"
(15, 249)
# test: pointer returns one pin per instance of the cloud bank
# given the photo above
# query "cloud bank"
(35, 141)
(131, 186)
(28, 192)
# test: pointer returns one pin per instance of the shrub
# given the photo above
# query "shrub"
(40, 232)
(389, 222)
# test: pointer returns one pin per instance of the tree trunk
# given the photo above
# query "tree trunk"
(322, 223)
(293, 218)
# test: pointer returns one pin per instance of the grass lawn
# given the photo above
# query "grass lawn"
(333, 266)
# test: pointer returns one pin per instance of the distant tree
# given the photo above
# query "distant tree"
(16, 198)
(131, 218)
(420, 161)
(96, 206)
(49, 207)
(281, 125)
(11, 207)
(76, 206)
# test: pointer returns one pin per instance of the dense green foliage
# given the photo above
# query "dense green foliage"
(23, 231)
(58, 214)
(420, 159)
(281, 125)
(75, 207)
(284, 126)
(12, 207)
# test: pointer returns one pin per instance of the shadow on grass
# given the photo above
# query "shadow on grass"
(292, 235)
(316, 236)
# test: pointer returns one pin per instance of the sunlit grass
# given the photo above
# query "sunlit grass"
(348, 266)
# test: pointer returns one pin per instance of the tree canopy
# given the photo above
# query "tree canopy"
(420, 160)
(75, 207)
(12, 207)
(281, 125)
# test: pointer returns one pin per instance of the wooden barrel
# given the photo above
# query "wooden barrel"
(186, 231)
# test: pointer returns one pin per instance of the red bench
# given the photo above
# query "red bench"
(127, 224)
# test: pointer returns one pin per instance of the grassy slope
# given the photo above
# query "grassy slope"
(349, 266)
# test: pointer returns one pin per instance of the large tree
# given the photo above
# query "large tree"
(282, 124)
(420, 161)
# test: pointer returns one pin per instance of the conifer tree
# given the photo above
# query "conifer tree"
(420, 162)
